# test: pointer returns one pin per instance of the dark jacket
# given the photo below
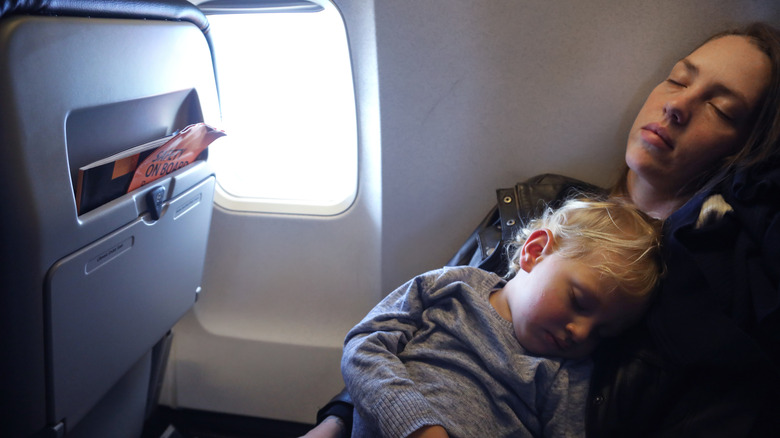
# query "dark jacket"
(706, 360)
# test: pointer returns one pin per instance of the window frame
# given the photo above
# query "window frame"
(297, 206)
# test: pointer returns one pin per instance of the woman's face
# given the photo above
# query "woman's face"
(700, 114)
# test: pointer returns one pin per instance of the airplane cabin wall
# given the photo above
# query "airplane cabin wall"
(470, 96)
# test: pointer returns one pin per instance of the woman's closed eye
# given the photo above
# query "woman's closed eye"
(722, 114)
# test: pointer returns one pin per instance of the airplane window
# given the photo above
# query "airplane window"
(288, 107)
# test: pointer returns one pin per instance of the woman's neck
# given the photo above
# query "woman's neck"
(647, 198)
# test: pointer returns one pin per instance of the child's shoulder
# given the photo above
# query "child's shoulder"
(461, 274)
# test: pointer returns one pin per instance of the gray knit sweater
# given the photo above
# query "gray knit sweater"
(436, 352)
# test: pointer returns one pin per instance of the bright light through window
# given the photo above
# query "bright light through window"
(288, 108)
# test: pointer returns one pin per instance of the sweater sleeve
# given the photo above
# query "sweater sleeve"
(383, 393)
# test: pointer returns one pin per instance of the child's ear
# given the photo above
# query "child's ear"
(538, 244)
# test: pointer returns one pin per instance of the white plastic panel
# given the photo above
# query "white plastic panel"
(110, 302)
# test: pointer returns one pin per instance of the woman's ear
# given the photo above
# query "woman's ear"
(538, 244)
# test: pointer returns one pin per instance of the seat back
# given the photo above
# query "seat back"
(86, 297)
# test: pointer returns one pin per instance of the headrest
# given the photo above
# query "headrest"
(177, 10)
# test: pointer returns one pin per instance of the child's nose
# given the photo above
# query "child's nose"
(580, 331)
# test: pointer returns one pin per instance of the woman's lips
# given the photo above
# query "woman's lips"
(657, 136)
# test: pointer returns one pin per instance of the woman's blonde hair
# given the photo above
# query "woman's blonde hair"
(610, 235)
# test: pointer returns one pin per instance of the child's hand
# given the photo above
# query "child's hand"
(331, 427)
(429, 432)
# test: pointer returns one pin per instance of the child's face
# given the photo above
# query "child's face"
(563, 307)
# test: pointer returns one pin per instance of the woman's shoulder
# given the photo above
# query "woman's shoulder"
(752, 196)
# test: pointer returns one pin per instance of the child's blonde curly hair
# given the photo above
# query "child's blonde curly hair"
(611, 235)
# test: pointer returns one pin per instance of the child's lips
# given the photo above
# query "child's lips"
(559, 344)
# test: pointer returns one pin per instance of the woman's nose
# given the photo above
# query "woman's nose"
(677, 111)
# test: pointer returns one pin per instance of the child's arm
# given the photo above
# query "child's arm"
(383, 392)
